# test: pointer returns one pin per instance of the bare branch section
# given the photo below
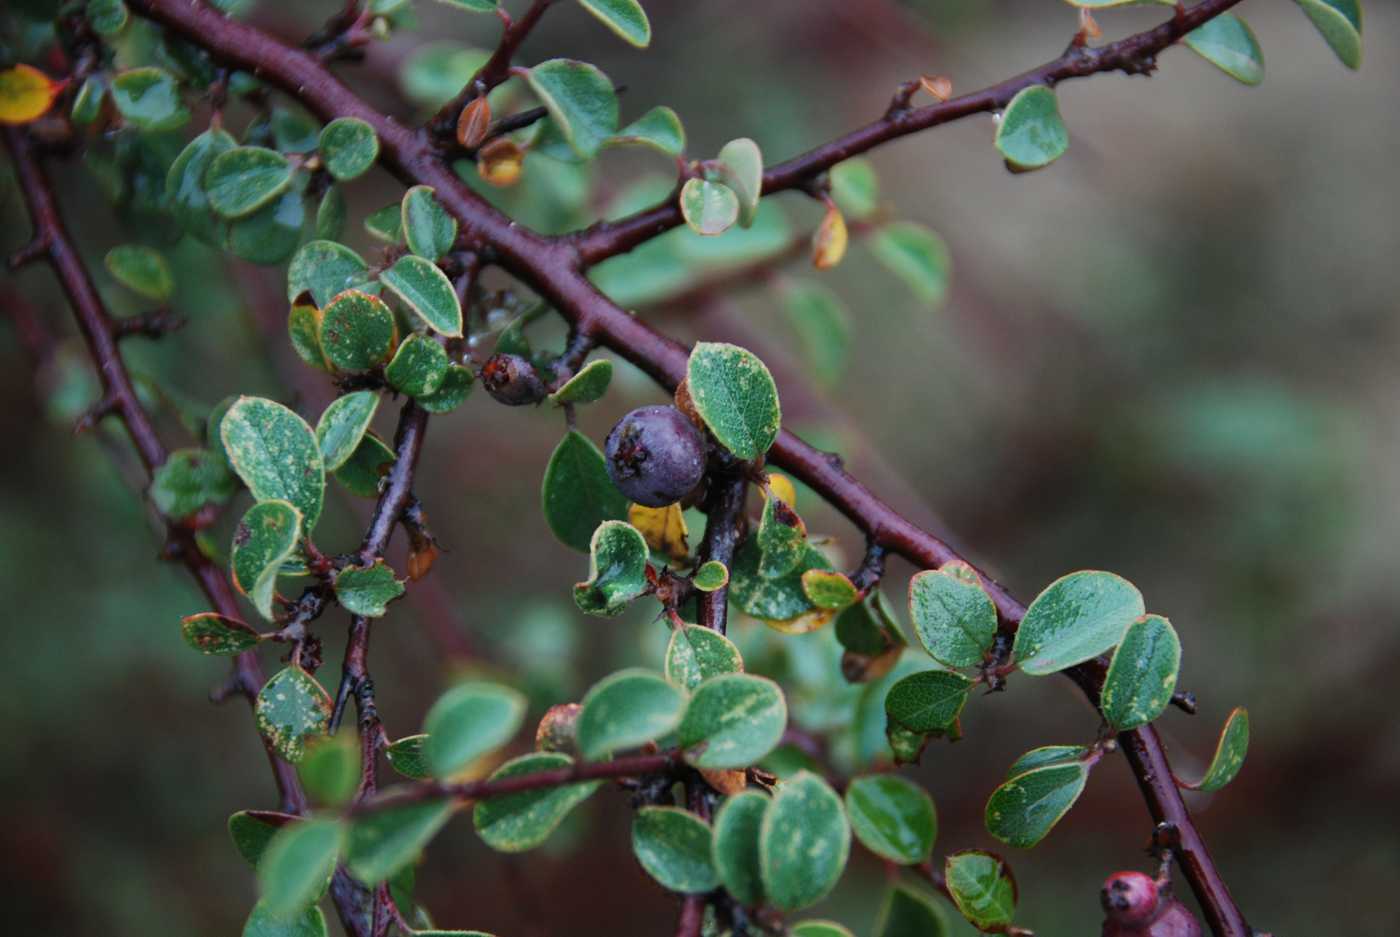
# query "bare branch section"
(555, 267)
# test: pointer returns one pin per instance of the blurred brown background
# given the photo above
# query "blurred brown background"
(1173, 355)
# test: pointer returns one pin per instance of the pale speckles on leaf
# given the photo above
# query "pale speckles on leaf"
(290, 709)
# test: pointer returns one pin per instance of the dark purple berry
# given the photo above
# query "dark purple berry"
(655, 456)
(512, 380)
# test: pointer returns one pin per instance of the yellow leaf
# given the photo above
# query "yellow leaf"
(802, 624)
(500, 161)
(25, 94)
(781, 486)
(829, 240)
(663, 528)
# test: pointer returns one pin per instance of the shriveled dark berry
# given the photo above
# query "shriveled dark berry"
(655, 456)
(512, 380)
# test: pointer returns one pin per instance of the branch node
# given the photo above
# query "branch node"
(36, 249)
(95, 414)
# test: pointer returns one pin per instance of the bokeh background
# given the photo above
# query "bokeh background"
(1173, 355)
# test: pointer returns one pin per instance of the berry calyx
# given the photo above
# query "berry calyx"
(1129, 898)
(655, 456)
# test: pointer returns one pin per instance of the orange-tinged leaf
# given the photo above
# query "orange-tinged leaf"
(473, 123)
(829, 240)
(781, 486)
(500, 162)
(25, 94)
(807, 622)
(663, 528)
(938, 86)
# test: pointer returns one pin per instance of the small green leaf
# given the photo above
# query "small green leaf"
(1142, 675)
(290, 709)
(386, 841)
(425, 224)
(1031, 133)
(242, 180)
(734, 850)
(294, 131)
(367, 590)
(741, 169)
(357, 331)
(263, 923)
(954, 619)
(803, 842)
(1077, 617)
(855, 187)
(330, 214)
(767, 598)
(928, 701)
(1229, 754)
(107, 17)
(149, 98)
(616, 570)
(909, 913)
(818, 929)
(580, 100)
(524, 820)
(1339, 21)
(782, 538)
(822, 325)
(330, 772)
(1045, 755)
(869, 627)
(733, 720)
(1024, 809)
(577, 494)
(456, 386)
(348, 147)
(408, 756)
(697, 653)
(711, 575)
(263, 540)
(143, 270)
(325, 269)
(427, 292)
(829, 590)
(87, 103)
(343, 424)
(982, 887)
(624, 17)
(468, 721)
(297, 866)
(276, 454)
(735, 395)
(673, 845)
(269, 235)
(916, 255)
(361, 474)
(627, 709)
(659, 128)
(419, 366)
(212, 633)
(386, 224)
(588, 385)
(709, 208)
(1229, 44)
(189, 479)
(892, 817)
(252, 830)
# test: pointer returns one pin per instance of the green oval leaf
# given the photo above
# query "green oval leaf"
(361, 475)
(348, 147)
(297, 866)
(616, 569)
(627, 709)
(734, 850)
(673, 845)
(429, 230)
(782, 538)
(343, 424)
(741, 169)
(456, 386)
(408, 756)
(325, 269)
(357, 331)
(240, 181)
(107, 17)
(588, 385)
(803, 842)
(709, 208)
(252, 830)
(189, 479)
(141, 269)
(1046, 755)
(1077, 617)
(624, 17)
(909, 913)
(1024, 809)
(580, 100)
(981, 885)
(427, 292)
(697, 653)
(855, 187)
(212, 633)
(386, 224)
(869, 627)
(292, 708)
(184, 184)
(1031, 133)
(928, 701)
(735, 395)
(659, 128)
(732, 721)
(892, 817)
(263, 923)
(818, 929)
(419, 366)
(1229, 754)
(524, 820)
(386, 841)
(269, 235)
(330, 772)
(771, 599)
(1339, 21)
(87, 103)
(367, 590)
(954, 619)
(149, 98)
(331, 213)
(264, 539)
(1142, 675)
(711, 575)
(276, 454)
(1229, 44)
(917, 256)
(468, 721)
(830, 590)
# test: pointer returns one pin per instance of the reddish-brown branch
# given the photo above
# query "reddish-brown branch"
(692, 916)
(724, 525)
